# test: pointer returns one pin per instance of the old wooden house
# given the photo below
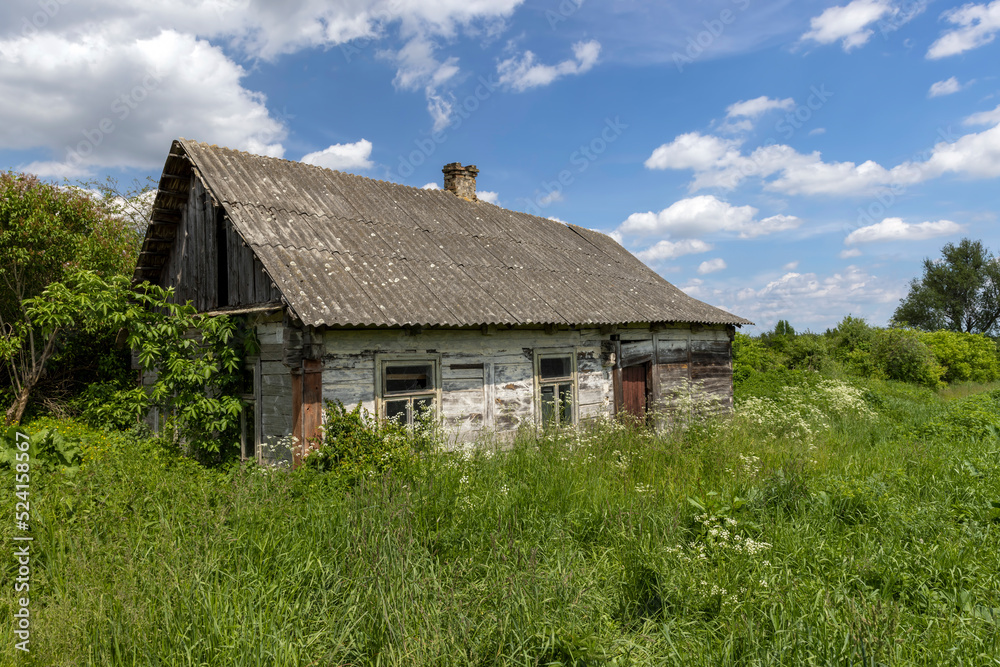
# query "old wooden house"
(402, 298)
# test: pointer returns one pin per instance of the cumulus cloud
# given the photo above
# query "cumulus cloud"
(721, 163)
(705, 214)
(430, 186)
(758, 106)
(343, 156)
(847, 253)
(488, 196)
(984, 118)
(664, 250)
(711, 266)
(523, 72)
(82, 64)
(694, 151)
(813, 300)
(848, 24)
(976, 25)
(100, 102)
(791, 266)
(894, 229)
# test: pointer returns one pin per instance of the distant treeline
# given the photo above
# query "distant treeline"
(854, 348)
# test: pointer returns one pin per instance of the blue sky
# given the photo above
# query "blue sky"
(780, 159)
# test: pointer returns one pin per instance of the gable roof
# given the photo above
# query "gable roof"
(348, 250)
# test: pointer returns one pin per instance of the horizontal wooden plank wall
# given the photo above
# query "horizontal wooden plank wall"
(487, 380)
(694, 366)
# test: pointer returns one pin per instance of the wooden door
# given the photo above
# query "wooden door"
(634, 390)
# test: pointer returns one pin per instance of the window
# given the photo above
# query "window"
(249, 418)
(408, 388)
(556, 388)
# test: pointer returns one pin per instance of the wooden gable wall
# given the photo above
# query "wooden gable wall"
(209, 259)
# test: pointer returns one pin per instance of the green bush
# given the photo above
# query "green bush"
(965, 357)
(901, 355)
(354, 444)
(851, 344)
(751, 356)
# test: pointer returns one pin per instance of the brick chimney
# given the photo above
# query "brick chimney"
(461, 181)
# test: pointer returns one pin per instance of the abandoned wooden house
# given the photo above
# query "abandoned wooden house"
(403, 298)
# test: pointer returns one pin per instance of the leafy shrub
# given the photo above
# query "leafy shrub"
(54, 445)
(808, 352)
(851, 344)
(750, 356)
(965, 357)
(354, 444)
(901, 355)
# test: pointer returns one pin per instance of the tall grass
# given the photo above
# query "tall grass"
(822, 524)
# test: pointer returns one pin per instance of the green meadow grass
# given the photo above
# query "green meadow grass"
(823, 524)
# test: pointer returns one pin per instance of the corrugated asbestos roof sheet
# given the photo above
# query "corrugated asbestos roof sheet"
(349, 250)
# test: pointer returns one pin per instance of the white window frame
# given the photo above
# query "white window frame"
(571, 379)
(383, 361)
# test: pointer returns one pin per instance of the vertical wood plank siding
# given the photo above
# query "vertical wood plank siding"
(193, 265)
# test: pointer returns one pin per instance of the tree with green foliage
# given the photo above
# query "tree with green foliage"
(195, 357)
(959, 292)
(965, 357)
(46, 233)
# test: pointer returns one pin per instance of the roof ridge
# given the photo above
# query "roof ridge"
(368, 178)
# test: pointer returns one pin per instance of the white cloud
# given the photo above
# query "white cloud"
(816, 131)
(791, 266)
(894, 229)
(430, 186)
(547, 199)
(977, 25)
(488, 196)
(694, 151)
(848, 23)
(522, 72)
(847, 253)
(984, 118)
(758, 106)
(711, 266)
(946, 87)
(61, 77)
(672, 250)
(99, 102)
(813, 300)
(343, 156)
(419, 69)
(720, 163)
(705, 214)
